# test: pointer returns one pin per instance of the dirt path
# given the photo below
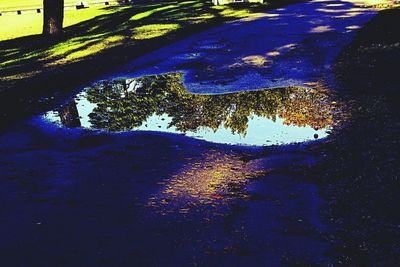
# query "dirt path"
(289, 46)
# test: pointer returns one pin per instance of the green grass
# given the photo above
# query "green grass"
(153, 30)
(14, 26)
(92, 32)
(14, 4)
(23, 4)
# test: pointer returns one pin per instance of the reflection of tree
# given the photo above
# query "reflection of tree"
(126, 104)
(121, 109)
(307, 108)
(69, 115)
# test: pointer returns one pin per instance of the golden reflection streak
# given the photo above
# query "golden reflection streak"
(215, 177)
(256, 61)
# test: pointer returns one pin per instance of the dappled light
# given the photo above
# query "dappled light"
(353, 27)
(108, 28)
(273, 53)
(151, 12)
(90, 48)
(348, 15)
(147, 22)
(306, 39)
(257, 61)
(374, 3)
(334, 5)
(261, 15)
(153, 30)
(335, 10)
(321, 29)
(287, 47)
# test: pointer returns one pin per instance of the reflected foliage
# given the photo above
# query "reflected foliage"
(125, 104)
(308, 108)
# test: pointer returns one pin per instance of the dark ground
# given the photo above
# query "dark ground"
(78, 199)
(360, 177)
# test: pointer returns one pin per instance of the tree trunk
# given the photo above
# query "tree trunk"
(53, 17)
(69, 115)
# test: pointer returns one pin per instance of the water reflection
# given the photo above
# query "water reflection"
(161, 103)
(214, 178)
(69, 115)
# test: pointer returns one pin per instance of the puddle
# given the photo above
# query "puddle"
(161, 103)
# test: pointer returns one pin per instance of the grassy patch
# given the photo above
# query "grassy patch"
(148, 13)
(153, 30)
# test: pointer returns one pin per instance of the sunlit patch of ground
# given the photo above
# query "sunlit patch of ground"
(321, 29)
(261, 15)
(256, 60)
(273, 53)
(90, 49)
(153, 30)
(353, 27)
(261, 61)
(151, 12)
(20, 76)
(376, 3)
